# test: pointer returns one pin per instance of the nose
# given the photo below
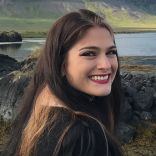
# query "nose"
(104, 63)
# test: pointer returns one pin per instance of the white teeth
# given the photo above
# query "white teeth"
(99, 77)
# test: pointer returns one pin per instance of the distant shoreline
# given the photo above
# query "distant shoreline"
(44, 34)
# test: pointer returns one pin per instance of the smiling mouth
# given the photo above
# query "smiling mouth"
(101, 79)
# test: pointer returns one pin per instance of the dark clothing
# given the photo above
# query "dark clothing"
(77, 135)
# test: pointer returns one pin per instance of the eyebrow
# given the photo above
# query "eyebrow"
(97, 48)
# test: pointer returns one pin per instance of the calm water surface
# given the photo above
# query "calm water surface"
(136, 44)
(132, 44)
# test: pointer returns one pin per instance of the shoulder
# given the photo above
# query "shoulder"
(71, 135)
(70, 121)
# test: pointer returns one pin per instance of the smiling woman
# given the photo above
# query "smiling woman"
(72, 103)
(91, 64)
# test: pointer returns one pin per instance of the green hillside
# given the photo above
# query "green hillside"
(34, 18)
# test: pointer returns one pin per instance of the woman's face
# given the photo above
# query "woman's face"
(91, 64)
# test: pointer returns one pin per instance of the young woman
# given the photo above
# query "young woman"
(72, 103)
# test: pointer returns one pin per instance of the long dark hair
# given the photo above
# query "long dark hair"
(66, 31)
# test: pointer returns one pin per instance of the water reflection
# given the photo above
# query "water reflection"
(5, 47)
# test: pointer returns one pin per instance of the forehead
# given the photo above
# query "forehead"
(96, 36)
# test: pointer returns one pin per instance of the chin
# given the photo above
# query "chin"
(104, 93)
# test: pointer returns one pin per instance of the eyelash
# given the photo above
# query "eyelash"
(89, 53)
(93, 53)
(112, 52)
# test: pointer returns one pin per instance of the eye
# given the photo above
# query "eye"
(88, 53)
(112, 52)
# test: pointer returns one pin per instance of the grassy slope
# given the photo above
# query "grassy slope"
(121, 20)
(33, 21)
(28, 27)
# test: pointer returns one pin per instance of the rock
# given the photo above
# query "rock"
(153, 112)
(7, 64)
(125, 132)
(143, 100)
(11, 91)
(12, 84)
(144, 141)
(135, 120)
(11, 36)
(150, 90)
(138, 86)
(128, 76)
(146, 115)
(14, 36)
(154, 100)
(28, 64)
(126, 111)
(124, 84)
(136, 82)
(4, 37)
(153, 82)
(140, 80)
(130, 91)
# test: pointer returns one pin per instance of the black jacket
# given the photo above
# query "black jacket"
(77, 135)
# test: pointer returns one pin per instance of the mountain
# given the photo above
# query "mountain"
(123, 15)
(43, 8)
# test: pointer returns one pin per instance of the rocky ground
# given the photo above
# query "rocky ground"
(4, 133)
(137, 128)
(144, 142)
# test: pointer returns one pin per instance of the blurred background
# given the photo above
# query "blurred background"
(133, 21)
(23, 28)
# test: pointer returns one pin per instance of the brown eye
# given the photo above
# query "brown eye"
(112, 52)
(89, 53)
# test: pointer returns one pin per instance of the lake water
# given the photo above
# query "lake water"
(136, 44)
(132, 44)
